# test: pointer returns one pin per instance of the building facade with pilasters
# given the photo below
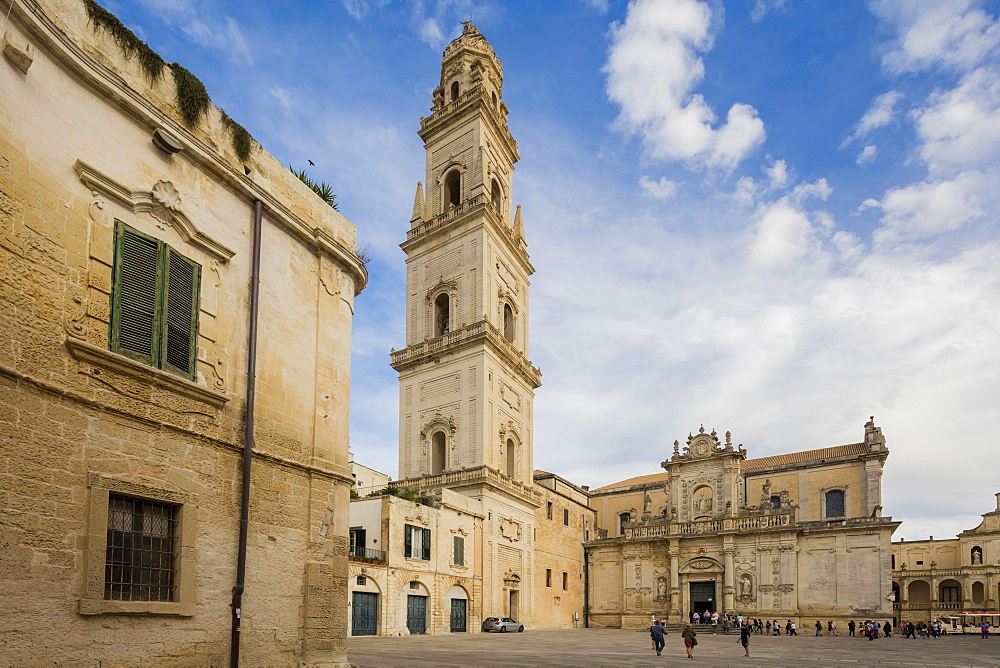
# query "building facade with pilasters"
(796, 536)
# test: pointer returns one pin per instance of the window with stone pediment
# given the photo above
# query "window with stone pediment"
(511, 468)
(154, 302)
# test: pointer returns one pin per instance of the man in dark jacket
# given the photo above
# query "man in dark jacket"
(656, 631)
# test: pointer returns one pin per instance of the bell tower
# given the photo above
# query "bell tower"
(466, 385)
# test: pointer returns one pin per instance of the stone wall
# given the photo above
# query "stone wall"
(79, 423)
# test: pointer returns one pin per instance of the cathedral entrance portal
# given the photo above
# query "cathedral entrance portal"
(702, 596)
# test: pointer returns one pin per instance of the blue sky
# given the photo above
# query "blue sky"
(770, 217)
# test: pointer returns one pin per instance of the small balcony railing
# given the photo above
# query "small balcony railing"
(366, 554)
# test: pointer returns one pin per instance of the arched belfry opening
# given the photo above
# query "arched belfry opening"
(439, 452)
(510, 458)
(454, 90)
(496, 198)
(508, 323)
(496, 104)
(442, 314)
(453, 188)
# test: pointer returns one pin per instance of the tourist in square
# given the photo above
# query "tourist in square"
(792, 628)
(832, 627)
(656, 632)
(726, 624)
(819, 629)
(745, 639)
(690, 640)
(984, 628)
(776, 627)
(715, 622)
(851, 626)
(887, 629)
(695, 617)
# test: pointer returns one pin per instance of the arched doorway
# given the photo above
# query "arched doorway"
(512, 585)
(701, 586)
(459, 604)
(415, 611)
(364, 606)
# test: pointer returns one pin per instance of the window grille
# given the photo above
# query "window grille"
(362, 581)
(140, 564)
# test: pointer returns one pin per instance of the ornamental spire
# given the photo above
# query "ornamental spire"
(418, 205)
(519, 226)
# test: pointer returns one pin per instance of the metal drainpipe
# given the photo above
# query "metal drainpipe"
(586, 588)
(241, 559)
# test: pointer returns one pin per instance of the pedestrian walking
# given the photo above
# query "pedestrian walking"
(793, 629)
(745, 640)
(690, 640)
(656, 632)
(850, 627)
(887, 629)
(984, 628)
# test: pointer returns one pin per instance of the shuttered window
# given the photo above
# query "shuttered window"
(459, 550)
(154, 302)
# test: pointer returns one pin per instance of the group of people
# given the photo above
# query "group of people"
(658, 633)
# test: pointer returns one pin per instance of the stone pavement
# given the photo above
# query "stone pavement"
(614, 647)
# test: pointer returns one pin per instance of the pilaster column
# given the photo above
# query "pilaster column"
(675, 581)
(728, 576)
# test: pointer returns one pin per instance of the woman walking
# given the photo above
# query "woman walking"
(688, 634)
(745, 640)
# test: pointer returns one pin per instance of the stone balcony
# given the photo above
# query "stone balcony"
(478, 332)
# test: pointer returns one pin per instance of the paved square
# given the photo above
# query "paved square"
(614, 647)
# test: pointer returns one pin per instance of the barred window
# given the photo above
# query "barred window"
(140, 564)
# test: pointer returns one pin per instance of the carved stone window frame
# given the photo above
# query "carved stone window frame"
(92, 601)
(822, 506)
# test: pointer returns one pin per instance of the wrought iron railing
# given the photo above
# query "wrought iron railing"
(367, 554)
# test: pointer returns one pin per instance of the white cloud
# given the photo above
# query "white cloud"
(923, 210)
(662, 189)
(652, 69)
(879, 114)
(205, 27)
(430, 32)
(867, 155)
(762, 8)
(848, 245)
(777, 174)
(961, 128)
(359, 9)
(783, 235)
(284, 98)
(942, 32)
(600, 6)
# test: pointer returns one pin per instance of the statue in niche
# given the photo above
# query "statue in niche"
(647, 502)
(746, 585)
(661, 588)
(702, 501)
(977, 556)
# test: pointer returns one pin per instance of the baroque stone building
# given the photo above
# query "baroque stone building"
(126, 266)
(796, 536)
(466, 383)
(951, 577)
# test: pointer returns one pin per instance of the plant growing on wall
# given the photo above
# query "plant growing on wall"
(130, 45)
(192, 98)
(323, 189)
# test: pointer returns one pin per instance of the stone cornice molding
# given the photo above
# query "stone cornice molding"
(112, 86)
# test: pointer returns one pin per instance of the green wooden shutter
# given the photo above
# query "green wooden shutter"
(407, 540)
(134, 306)
(180, 331)
(427, 544)
(459, 556)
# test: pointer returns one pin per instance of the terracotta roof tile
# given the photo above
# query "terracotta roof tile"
(804, 456)
(755, 464)
(638, 480)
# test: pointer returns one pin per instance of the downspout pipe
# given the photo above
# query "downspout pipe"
(241, 558)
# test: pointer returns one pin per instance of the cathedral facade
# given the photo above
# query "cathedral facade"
(789, 537)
